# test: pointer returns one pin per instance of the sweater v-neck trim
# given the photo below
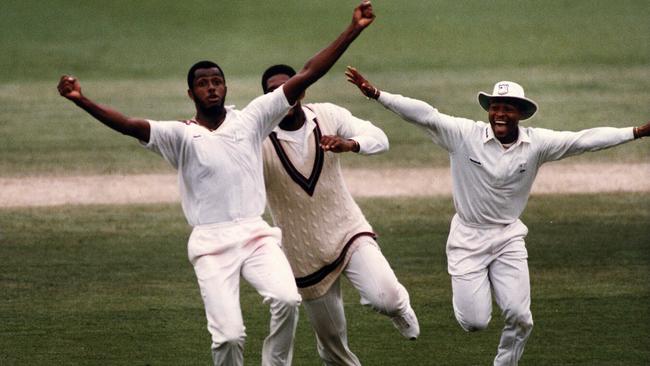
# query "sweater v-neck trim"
(308, 184)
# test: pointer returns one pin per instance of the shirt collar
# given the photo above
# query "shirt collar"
(310, 116)
(488, 135)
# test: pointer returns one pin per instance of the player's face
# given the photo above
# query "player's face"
(504, 119)
(209, 88)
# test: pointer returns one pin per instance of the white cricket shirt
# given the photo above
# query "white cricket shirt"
(220, 172)
(491, 184)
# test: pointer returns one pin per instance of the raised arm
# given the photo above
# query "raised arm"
(320, 63)
(411, 110)
(562, 144)
(70, 89)
(444, 130)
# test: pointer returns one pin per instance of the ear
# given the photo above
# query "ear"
(190, 94)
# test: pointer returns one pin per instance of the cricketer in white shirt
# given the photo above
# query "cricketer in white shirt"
(221, 182)
(491, 185)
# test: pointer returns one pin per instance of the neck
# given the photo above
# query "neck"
(293, 121)
(508, 139)
(210, 118)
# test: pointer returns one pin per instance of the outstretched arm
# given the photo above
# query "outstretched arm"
(445, 130)
(70, 89)
(320, 63)
(367, 89)
(412, 110)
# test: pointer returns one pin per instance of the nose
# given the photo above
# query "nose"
(499, 112)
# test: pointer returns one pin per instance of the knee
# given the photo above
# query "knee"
(284, 303)
(473, 323)
(519, 316)
(226, 338)
(389, 301)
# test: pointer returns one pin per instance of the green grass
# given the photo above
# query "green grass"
(587, 63)
(95, 285)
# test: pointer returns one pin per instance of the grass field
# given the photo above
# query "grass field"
(587, 63)
(112, 285)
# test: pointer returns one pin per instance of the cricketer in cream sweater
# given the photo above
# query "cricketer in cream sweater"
(324, 231)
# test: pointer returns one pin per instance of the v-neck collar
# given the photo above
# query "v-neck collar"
(308, 184)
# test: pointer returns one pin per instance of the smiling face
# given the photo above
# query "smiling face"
(208, 89)
(504, 119)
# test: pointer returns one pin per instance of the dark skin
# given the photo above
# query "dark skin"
(209, 98)
(209, 95)
(504, 120)
(504, 117)
(295, 119)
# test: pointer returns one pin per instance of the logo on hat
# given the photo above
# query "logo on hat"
(509, 91)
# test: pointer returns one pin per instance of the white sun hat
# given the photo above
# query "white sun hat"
(509, 91)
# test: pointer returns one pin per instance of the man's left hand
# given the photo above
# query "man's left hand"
(338, 144)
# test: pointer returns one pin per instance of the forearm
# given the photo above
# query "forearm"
(370, 145)
(411, 110)
(320, 64)
(134, 127)
(370, 138)
(559, 145)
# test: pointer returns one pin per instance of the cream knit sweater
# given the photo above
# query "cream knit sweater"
(312, 205)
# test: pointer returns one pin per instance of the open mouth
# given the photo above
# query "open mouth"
(500, 128)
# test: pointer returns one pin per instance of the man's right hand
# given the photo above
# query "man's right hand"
(364, 85)
(69, 88)
(363, 15)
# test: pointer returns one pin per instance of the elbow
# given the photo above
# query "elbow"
(386, 145)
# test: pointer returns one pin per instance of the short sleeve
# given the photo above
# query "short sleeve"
(265, 112)
(166, 139)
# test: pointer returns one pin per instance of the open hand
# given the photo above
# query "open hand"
(364, 85)
(363, 14)
(69, 87)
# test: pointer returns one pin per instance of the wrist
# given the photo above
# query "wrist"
(376, 93)
(355, 147)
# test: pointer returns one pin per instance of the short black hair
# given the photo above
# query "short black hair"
(276, 70)
(201, 65)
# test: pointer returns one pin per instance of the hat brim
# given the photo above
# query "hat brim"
(526, 107)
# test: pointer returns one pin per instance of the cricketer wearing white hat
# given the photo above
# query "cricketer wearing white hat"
(493, 167)
(509, 92)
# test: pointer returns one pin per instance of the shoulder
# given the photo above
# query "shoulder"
(329, 108)
(178, 125)
(537, 133)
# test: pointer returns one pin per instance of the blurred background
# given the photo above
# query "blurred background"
(586, 63)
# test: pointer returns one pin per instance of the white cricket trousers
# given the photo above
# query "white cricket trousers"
(249, 248)
(485, 259)
(369, 272)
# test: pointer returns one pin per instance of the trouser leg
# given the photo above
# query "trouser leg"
(511, 286)
(219, 284)
(327, 318)
(369, 272)
(472, 300)
(268, 271)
